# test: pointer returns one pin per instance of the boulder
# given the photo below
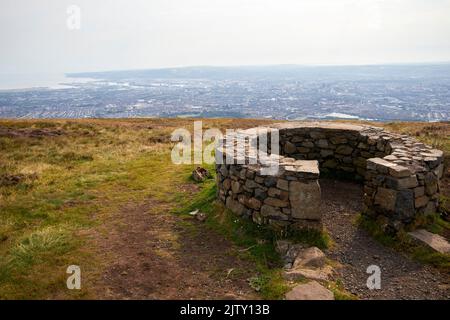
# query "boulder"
(310, 257)
(309, 291)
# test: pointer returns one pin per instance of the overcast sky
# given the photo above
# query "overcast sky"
(134, 34)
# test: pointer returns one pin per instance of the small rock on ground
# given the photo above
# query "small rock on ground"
(435, 241)
(310, 257)
(309, 291)
(321, 274)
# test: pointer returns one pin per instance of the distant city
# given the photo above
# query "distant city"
(379, 93)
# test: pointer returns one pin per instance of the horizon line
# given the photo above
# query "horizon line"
(266, 65)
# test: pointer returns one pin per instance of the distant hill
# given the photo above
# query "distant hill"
(276, 72)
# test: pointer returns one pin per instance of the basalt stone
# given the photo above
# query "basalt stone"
(236, 187)
(401, 183)
(404, 205)
(223, 170)
(338, 140)
(274, 192)
(251, 184)
(235, 206)
(399, 172)
(367, 154)
(254, 203)
(270, 181)
(226, 184)
(380, 145)
(305, 200)
(259, 179)
(344, 149)
(303, 150)
(307, 144)
(289, 147)
(430, 208)
(269, 211)
(283, 184)
(431, 185)
(260, 194)
(439, 171)
(330, 164)
(421, 201)
(250, 174)
(360, 162)
(419, 191)
(386, 198)
(363, 146)
(274, 202)
(322, 143)
(317, 135)
(326, 153)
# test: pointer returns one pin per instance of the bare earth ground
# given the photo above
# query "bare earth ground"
(155, 255)
(401, 277)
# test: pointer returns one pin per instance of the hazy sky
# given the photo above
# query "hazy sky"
(133, 34)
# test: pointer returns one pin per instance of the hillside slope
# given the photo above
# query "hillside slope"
(104, 195)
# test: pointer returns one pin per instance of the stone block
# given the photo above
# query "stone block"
(283, 184)
(274, 202)
(289, 147)
(402, 183)
(386, 198)
(431, 183)
(419, 191)
(273, 192)
(344, 150)
(254, 203)
(234, 206)
(404, 205)
(270, 181)
(399, 171)
(421, 201)
(304, 198)
(236, 187)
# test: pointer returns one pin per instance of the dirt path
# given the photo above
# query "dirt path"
(157, 255)
(401, 278)
(154, 254)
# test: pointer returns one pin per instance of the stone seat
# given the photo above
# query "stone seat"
(400, 174)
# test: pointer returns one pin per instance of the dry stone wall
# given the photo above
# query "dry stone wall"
(400, 175)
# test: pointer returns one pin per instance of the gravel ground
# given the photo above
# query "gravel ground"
(355, 250)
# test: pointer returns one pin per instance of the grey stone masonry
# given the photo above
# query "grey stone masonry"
(400, 175)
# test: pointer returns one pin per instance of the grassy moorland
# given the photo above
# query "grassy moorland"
(61, 181)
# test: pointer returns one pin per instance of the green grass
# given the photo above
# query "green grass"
(257, 241)
(71, 183)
